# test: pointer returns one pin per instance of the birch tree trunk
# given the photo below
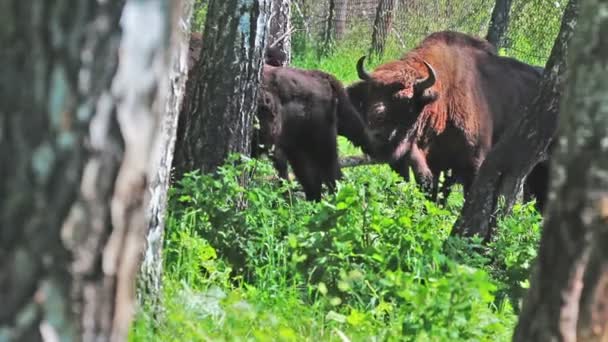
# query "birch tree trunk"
(522, 146)
(499, 22)
(77, 124)
(216, 119)
(382, 25)
(568, 298)
(160, 172)
(279, 34)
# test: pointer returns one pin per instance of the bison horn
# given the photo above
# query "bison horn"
(423, 84)
(364, 75)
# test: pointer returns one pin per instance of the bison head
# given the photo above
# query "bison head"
(390, 100)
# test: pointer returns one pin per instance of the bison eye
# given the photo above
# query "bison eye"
(379, 109)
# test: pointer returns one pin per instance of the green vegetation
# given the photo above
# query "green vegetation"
(372, 262)
(375, 259)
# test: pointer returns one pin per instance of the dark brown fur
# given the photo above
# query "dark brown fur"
(301, 112)
(476, 95)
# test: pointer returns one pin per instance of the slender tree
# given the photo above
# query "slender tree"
(382, 25)
(568, 298)
(77, 128)
(340, 18)
(522, 146)
(217, 116)
(329, 30)
(499, 22)
(279, 34)
(160, 172)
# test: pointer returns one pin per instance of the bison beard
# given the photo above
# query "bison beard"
(300, 113)
(448, 124)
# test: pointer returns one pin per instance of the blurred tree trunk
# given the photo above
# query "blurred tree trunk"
(382, 25)
(76, 131)
(568, 298)
(160, 173)
(522, 146)
(279, 34)
(216, 118)
(499, 22)
(341, 15)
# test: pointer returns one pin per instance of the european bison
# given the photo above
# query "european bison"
(300, 113)
(444, 104)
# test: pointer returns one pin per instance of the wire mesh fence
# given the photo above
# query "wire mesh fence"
(533, 26)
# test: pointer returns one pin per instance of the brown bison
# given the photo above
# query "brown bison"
(443, 105)
(300, 113)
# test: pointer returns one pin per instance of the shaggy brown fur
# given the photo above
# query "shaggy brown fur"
(300, 113)
(453, 123)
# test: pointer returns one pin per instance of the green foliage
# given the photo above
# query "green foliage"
(199, 13)
(373, 260)
(512, 250)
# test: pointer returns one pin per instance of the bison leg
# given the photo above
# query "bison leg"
(423, 173)
(307, 175)
(401, 166)
(331, 174)
(537, 184)
(279, 160)
(446, 187)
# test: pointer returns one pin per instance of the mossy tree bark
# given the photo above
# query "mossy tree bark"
(568, 298)
(522, 146)
(77, 125)
(216, 118)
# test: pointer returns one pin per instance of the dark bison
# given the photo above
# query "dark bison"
(443, 105)
(300, 113)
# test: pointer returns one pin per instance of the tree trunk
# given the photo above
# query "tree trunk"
(279, 34)
(499, 22)
(568, 298)
(341, 11)
(216, 119)
(329, 31)
(382, 25)
(150, 283)
(522, 146)
(76, 130)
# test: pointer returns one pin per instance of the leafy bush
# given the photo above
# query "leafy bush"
(375, 259)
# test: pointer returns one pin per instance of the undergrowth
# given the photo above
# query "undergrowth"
(372, 262)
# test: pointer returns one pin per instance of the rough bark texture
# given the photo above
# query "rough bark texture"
(499, 22)
(76, 126)
(568, 298)
(340, 18)
(382, 25)
(279, 34)
(160, 172)
(216, 119)
(522, 146)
